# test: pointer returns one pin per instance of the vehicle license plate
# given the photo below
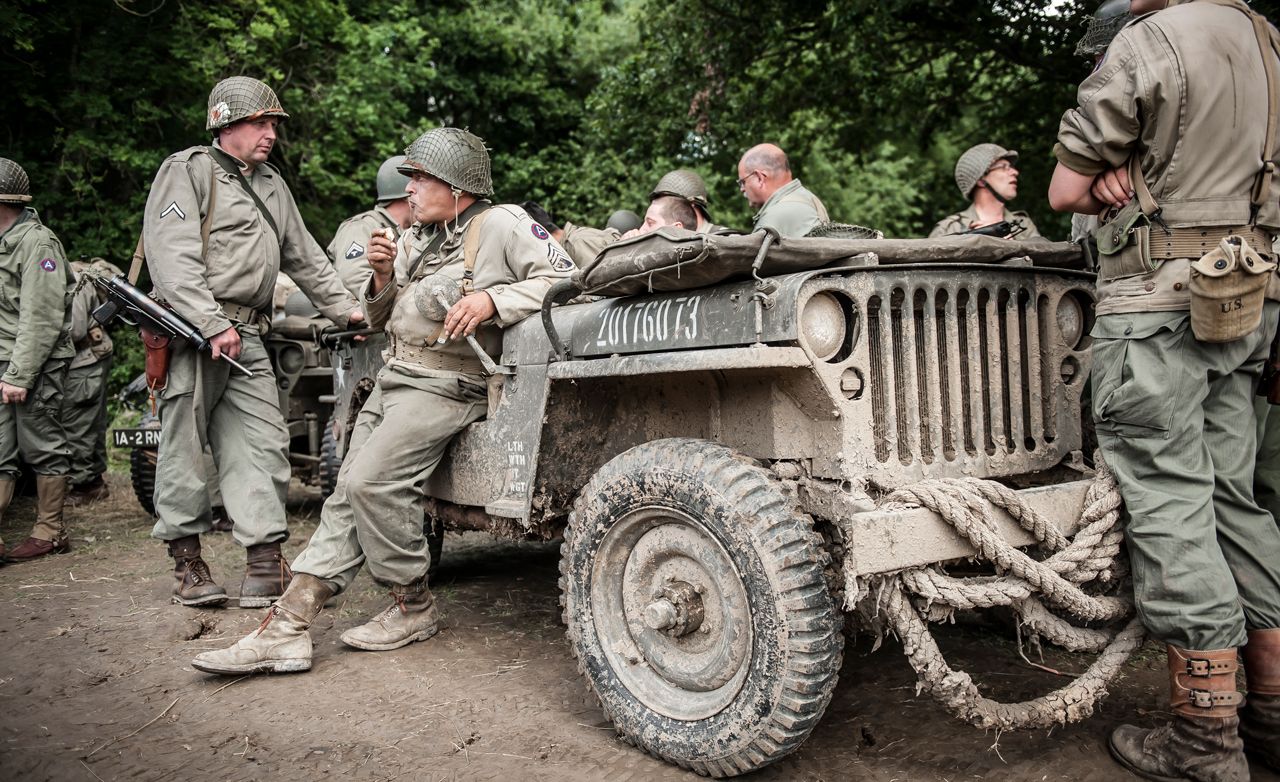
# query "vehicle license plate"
(136, 438)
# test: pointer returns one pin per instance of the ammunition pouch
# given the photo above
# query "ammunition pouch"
(1228, 286)
(1124, 244)
(157, 358)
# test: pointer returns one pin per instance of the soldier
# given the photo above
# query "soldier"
(1173, 412)
(667, 211)
(581, 242)
(35, 346)
(430, 390)
(987, 177)
(222, 283)
(782, 203)
(686, 184)
(351, 242)
(84, 408)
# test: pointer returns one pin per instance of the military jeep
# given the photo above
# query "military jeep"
(712, 439)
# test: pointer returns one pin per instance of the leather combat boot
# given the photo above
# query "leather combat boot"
(411, 617)
(88, 493)
(49, 535)
(281, 644)
(266, 576)
(193, 584)
(1260, 717)
(1202, 743)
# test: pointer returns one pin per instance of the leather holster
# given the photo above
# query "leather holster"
(157, 358)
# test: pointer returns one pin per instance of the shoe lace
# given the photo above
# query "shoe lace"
(199, 571)
(266, 620)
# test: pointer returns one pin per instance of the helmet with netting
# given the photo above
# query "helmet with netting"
(455, 156)
(976, 161)
(1103, 27)
(686, 184)
(391, 183)
(241, 97)
(15, 188)
(624, 220)
(831, 230)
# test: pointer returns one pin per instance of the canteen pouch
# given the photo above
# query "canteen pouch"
(1228, 286)
(157, 359)
(1124, 244)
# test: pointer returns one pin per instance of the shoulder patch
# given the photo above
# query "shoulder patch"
(173, 209)
(354, 251)
(559, 261)
(49, 265)
(539, 232)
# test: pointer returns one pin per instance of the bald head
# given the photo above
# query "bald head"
(761, 171)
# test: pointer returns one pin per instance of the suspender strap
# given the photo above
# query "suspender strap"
(140, 252)
(1146, 201)
(1267, 48)
(230, 165)
(471, 248)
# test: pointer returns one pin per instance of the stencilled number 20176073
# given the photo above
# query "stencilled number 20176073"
(649, 321)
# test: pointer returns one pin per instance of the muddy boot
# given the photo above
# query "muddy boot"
(88, 493)
(221, 521)
(1260, 717)
(266, 576)
(49, 535)
(1202, 743)
(281, 644)
(411, 617)
(193, 584)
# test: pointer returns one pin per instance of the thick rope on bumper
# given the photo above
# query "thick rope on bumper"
(1029, 586)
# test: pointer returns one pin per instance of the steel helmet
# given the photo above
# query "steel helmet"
(976, 161)
(241, 97)
(391, 183)
(15, 188)
(624, 220)
(683, 183)
(1103, 27)
(455, 156)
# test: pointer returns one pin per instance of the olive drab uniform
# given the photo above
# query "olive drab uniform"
(792, 211)
(229, 282)
(35, 347)
(427, 393)
(583, 244)
(1174, 414)
(963, 221)
(84, 410)
(350, 246)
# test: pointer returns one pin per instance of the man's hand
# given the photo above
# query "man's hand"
(1112, 187)
(355, 321)
(466, 316)
(11, 394)
(226, 343)
(382, 257)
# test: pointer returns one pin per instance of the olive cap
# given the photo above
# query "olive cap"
(976, 161)
(391, 183)
(15, 187)
(624, 220)
(241, 97)
(455, 156)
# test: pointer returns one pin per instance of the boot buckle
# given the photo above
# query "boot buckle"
(1202, 668)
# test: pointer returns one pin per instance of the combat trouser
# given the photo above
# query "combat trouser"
(1266, 473)
(1175, 421)
(84, 416)
(246, 433)
(375, 511)
(32, 432)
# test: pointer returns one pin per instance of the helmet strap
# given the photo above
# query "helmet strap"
(454, 222)
(982, 183)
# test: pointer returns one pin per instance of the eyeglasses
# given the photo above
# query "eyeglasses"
(1000, 165)
(742, 183)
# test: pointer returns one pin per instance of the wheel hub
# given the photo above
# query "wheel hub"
(676, 610)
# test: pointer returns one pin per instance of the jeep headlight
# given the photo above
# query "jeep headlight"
(822, 325)
(1070, 321)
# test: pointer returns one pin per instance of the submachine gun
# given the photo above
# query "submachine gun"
(136, 308)
(1005, 229)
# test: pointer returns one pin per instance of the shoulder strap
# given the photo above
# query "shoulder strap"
(229, 165)
(1146, 201)
(140, 253)
(1267, 48)
(470, 249)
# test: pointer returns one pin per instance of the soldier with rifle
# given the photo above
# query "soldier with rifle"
(986, 176)
(220, 223)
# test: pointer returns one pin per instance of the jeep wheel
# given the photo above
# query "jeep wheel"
(142, 468)
(330, 462)
(697, 606)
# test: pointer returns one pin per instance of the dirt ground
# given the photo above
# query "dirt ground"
(95, 683)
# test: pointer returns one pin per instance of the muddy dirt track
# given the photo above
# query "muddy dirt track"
(95, 683)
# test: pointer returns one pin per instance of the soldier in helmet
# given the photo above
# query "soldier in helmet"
(220, 224)
(84, 408)
(667, 211)
(686, 184)
(782, 203)
(35, 347)
(985, 174)
(431, 389)
(351, 243)
(623, 220)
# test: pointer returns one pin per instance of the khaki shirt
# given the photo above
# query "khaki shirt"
(584, 244)
(1185, 89)
(517, 262)
(960, 222)
(244, 255)
(350, 246)
(792, 211)
(35, 296)
(91, 340)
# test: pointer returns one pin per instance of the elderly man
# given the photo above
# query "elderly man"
(986, 175)
(781, 202)
(431, 389)
(1173, 410)
(220, 224)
